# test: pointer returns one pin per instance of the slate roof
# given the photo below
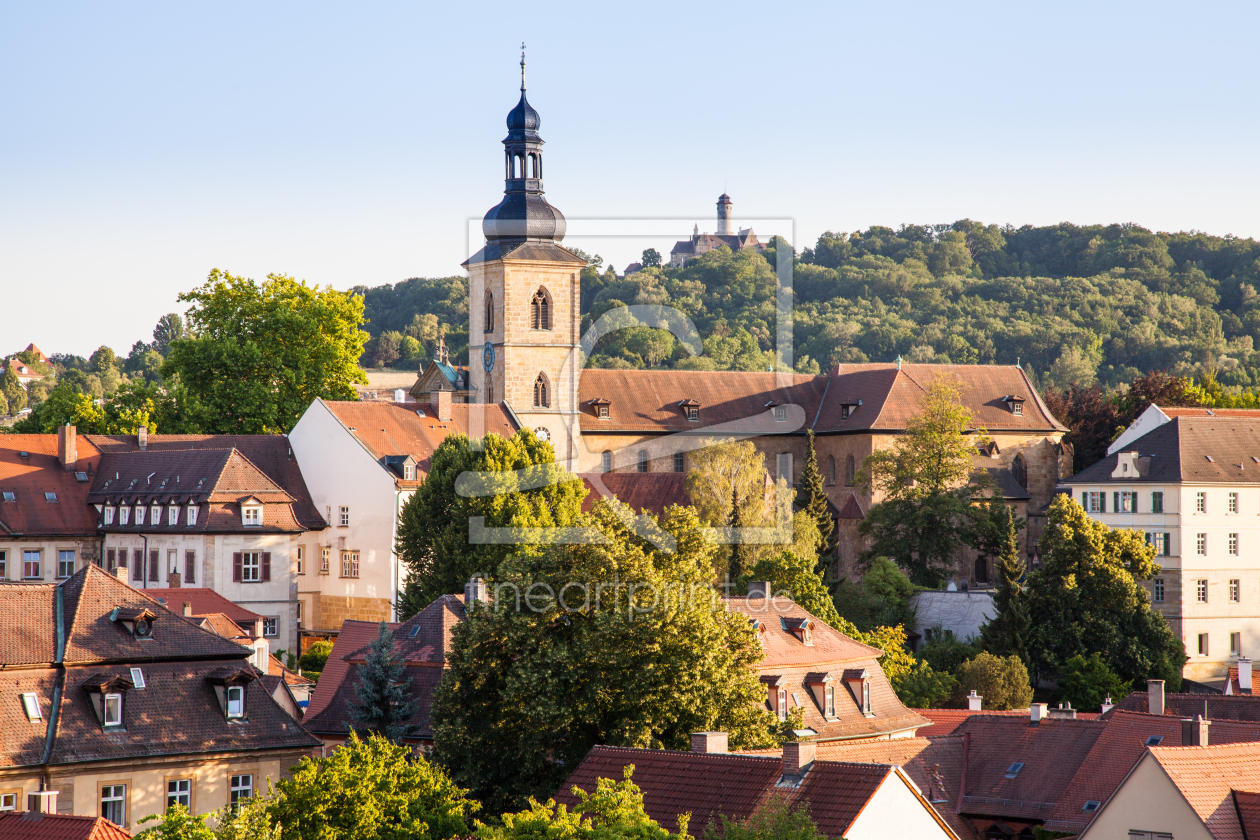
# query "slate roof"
(531, 250)
(889, 397)
(1207, 777)
(1180, 450)
(387, 429)
(651, 491)
(32, 825)
(31, 477)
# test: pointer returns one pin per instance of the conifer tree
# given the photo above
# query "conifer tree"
(812, 499)
(1006, 634)
(383, 703)
(738, 552)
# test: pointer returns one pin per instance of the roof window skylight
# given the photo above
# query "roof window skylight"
(1154, 740)
(50, 497)
(137, 677)
(30, 705)
(10, 496)
(1013, 770)
(1091, 806)
(415, 631)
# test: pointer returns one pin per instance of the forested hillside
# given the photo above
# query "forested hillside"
(1073, 304)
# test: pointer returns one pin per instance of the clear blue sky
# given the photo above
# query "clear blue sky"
(145, 143)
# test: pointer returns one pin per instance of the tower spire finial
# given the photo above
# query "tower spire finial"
(522, 65)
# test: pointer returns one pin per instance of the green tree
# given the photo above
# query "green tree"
(615, 641)
(726, 475)
(812, 498)
(169, 328)
(247, 820)
(614, 810)
(103, 359)
(1007, 633)
(1001, 681)
(176, 824)
(434, 542)
(924, 687)
(1085, 683)
(383, 702)
(259, 354)
(651, 258)
(312, 662)
(1087, 598)
(776, 819)
(370, 790)
(14, 393)
(944, 652)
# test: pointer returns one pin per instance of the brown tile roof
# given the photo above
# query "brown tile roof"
(1200, 449)
(354, 635)
(1194, 411)
(22, 740)
(1117, 749)
(837, 792)
(204, 602)
(1207, 777)
(388, 429)
(1248, 807)
(30, 514)
(1050, 752)
(225, 627)
(269, 453)
(945, 721)
(851, 509)
(653, 491)
(1211, 706)
(37, 826)
(276, 668)
(784, 650)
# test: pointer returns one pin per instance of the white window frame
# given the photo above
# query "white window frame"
(324, 554)
(1094, 501)
(1235, 643)
(235, 696)
(62, 559)
(172, 515)
(179, 792)
(1200, 544)
(109, 514)
(155, 515)
(124, 514)
(1017, 407)
(603, 412)
(8, 801)
(693, 414)
(140, 514)
(349, 564)
(30, 705)
(114, 794)
(409, 472)
(780, 414)
(251, 567)
(38, 560)
(241, 787)
(1201, 591)
(344, 517)
(1235, 590)
(251, 516)
(1200, 501)
(137, 678)
(271, 627)
(829, 701)
(1204, 645)
(1233, 502)
(192, 516)
(114, 700)
(782, 709)
(301, 560)
(1233, 544)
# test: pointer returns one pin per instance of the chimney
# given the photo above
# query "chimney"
(797, 756)
(1064, 712)
(67, 448)
(174, 580)
(188, 609)
(258, 630)
(475, 590)
(142, 437)
(1194, 733)
(1244, 674)
(759, 589)
(1038, 712)
(441, 402)
(974, 701)
(121, 572)
(42, 802)
(1107, 705)
(709, 743)
(1155, 697)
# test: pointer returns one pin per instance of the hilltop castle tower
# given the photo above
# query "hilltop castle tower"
(724, 215)
(524, 298)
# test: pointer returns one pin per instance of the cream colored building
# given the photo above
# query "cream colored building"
(1192, 487)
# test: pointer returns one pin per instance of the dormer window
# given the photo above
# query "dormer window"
(251, 513)
(113, 710)
(192, 515)
(1015, 403)
(139, 514)
(780, 413)
(801, 628)
(155, 515)
(172, 515)
(109, 514)
(830, 704)
(783, 707)
(230, 685)
(693, 414)
(236, 701)
(409, 472)
(601, 407)
(859, 682)
(691, 409)
(603, 412)
(124, 513)
(139, 622)
(107, 694)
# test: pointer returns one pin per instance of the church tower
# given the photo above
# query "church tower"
(524, 298)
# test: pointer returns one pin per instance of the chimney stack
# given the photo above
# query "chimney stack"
(475, 590)
(121, 571)
(797, 756)
(1064, 712)
(142, 437)
(258, 628)
(187, 609)
(1244, 674)
(42, 802)
(1194, 733)
(759, 589)
(1107, 705)
(974, 701)
(1155, 697)
(441, 402)
(1038, 712)
(67, 447)
(709, 743)
(174, 580)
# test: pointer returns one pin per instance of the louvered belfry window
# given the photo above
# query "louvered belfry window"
(540, 311)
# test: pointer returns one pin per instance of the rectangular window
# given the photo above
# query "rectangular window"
(8, 801)
(1200, 590)
(301, 560)
(65, 564)
(345, 516)
(172, 515)
(603, 412)
(785, 466)
(155, 515)
(1203, 644)
(114, 803)
(1200, 544)
(1017, 408)
(251, 566)
(235, 702)
(1094, 502)
(30, 705)
(298, 607)
(409, 472)
(155, 565)
(680, 462)
(172, 562)
(190, 567)
(780, 413)
(1235, 644)
(253, 516)
(1167, 544)
(1158, 587)
(139, 515)
(1200, 502)
(1126, 501)
(831, 701)
(31, 566)
(323, 560)
(1234, 590)
(1233, 503)
(137, 678)
(1157, 502)
(783, 709)
(113, 710)
(111, 560)
(124, 513)
(192, 515)
(179, 792)
(109, 516)
(242, 788)
(350, 564)
(271, 627)
(1233, 544)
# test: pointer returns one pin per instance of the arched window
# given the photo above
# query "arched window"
(831, 469)
(542, 395)
(605, 461)
(850, 471)
(489, 312)
(540, 310)
(643, 460)
(1019, 469)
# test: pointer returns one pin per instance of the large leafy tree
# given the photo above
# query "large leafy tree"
(14, 393)
(610, 642)
(1001, 680)
(1088, 598)
(923, 479)
(370, 790)
(382, 703)
(258, 354)
(435, 539)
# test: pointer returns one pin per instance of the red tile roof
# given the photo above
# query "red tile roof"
(30, 514)
(204, 602)
(650, 491)
(276, 668)
(1193, 411)
(36, 826)
(353, 635)
(1248, 807)
(1211, 706)
(1207, 777)
(945, 721)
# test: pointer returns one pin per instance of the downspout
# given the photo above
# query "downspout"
(144, 563)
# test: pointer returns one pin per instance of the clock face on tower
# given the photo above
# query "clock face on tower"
(487, 357)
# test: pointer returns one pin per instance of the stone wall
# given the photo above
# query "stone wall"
(329, 612)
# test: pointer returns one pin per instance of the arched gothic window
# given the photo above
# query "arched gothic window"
(1019, 469)
(605, 461)
(490, 392)
(831, 469)
(850, 471)
(542, 395)
(540, 310)
(643, 460)
(489, 312)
